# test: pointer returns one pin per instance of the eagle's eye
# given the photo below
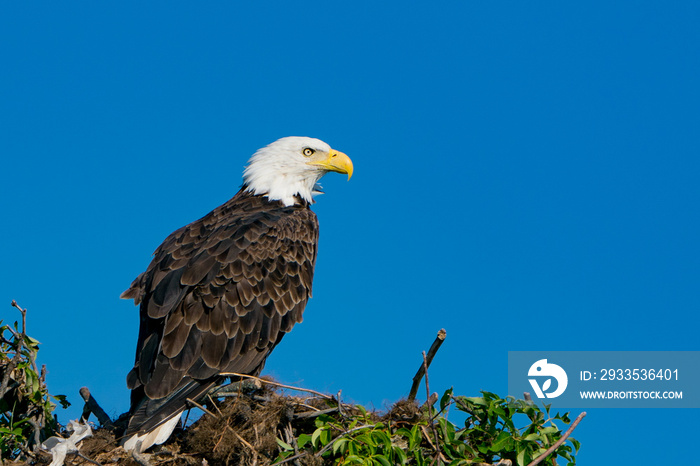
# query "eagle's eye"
(308, 152)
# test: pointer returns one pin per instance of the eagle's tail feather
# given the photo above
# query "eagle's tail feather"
(142, 442)
(152, 421)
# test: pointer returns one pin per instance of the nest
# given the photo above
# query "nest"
(235, 429)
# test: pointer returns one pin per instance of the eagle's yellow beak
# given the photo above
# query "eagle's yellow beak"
(335, 162)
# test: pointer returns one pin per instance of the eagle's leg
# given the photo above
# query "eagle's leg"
(245, 386)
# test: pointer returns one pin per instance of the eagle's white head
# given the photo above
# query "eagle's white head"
(291, 167)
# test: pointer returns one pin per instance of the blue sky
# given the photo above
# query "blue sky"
(526, 176)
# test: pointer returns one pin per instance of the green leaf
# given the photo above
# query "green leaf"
(381, 438)
(284, 445)
(303, 439)
(497, 409)
(31, 342)
(16, 431)
(62, 399)
(381, 460)
(476, 400)
(362, 410)
(501, 441)
(366, 439)
(339, 445)
(316, 436)
(322, 420)
(325, 437)
(446, 398)
(575, 443)
(416, 437)
(400, 456)
(565, 454)
(353, 459)
(283, 455)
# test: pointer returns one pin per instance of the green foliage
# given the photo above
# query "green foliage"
(490, 434)
(492, 430)
(25, 403)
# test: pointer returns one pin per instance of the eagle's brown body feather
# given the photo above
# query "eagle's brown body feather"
(218, 296)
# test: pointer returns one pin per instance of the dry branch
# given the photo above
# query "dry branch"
(430, 406)
(558, 443)
(314, 413)
(429, 358)
(269, 382)
(34, 413)
(12, 364)
(91, 406)
(190, 400)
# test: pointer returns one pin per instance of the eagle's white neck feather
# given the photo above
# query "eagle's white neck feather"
(280, 172)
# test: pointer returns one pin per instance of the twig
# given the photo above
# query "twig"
(190, 400)
(288, 433)
(36, 425)
(340, 405)
(431, 401)
(291, 458)
(9, 368)
(12, 363)
(226, 394)
(24, 316)
(347, 432)
(220, 439)
(427, 387)
(312, 408)
(558, 443)
(426, 435)
(77, 453)
(24, 332)
(294, 444)
(91, 406)
(269, 382)
(430, 406)
(316, 413)
(214, 404)
(503, 462)
(421, 370)
(255, 453)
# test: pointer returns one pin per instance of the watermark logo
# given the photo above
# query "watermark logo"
(542, 368)
(606, 379)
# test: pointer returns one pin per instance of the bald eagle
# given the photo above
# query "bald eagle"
(221, 292)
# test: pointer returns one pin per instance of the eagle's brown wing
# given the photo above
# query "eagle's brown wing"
(218, 296)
